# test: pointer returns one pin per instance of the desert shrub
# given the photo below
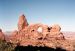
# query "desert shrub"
(5, 46)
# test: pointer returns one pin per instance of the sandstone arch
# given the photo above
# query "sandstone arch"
(33, 30)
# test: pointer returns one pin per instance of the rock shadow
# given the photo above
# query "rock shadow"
(31, 48)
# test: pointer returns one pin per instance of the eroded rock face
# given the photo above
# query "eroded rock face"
(31, 35)
(55, 33)
(39, 35)
(55, 28)
(2, 37)
(22, 23)
(13, 37)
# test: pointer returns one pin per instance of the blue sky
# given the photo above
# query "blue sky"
(48, 12)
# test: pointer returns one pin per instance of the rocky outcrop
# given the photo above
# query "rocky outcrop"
(55, 28)
(2, 37)
(22, 23)
(39, 35)
(55, 32)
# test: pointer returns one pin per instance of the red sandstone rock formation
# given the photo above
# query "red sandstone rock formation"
(39, 35)
(2, 37)
(13, 37)
(55, 28)
(55, 32)
(22, 23)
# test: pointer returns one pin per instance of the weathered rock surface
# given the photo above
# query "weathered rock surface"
(39, 35)
(2, 37)
(55, 32)
(55, 28)
(22, 23)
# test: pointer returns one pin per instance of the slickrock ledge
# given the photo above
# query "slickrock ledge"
(39, 35)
